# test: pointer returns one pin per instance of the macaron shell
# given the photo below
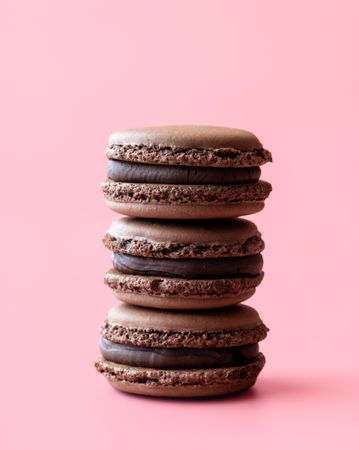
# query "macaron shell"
(158, 338)
(184, 239)
(193, 157)
(178, 293)
(181, 383)
(187, 136)
(204, 146)
(185, 194)
(185, 303)
(239, 317)
(195, 391)
(218, 232)
(185, 212)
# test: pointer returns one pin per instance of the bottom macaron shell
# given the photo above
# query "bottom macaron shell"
(183, 391)
(177, 293)
(185, 212)
(181, 383)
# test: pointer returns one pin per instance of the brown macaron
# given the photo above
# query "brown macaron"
(185, 172)
(184, 264)
(177, 354)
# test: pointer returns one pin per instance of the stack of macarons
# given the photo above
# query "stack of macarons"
(183, 262)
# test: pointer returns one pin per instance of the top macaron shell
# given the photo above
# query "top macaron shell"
(232, 326)
(205, 147)
(183, 239)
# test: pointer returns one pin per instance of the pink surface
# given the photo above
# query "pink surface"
(74, 71)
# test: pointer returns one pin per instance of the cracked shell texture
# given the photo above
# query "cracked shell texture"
(178, 293)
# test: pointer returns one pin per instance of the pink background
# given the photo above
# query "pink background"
(74, 71)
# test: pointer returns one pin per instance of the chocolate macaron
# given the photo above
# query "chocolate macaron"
(184, 264)
(180, 354)
(185, 172)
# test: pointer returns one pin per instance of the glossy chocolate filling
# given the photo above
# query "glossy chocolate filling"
(200, 268)
(177, 358)
(129, 172)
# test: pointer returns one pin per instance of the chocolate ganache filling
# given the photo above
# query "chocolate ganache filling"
(176, 358)
(129, 172)
(190, 268)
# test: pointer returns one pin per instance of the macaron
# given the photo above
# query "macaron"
(180, 354)
(185, 172)
(184, 264)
